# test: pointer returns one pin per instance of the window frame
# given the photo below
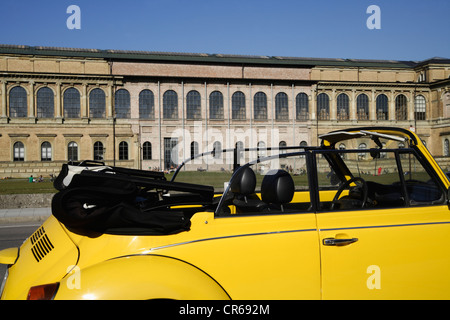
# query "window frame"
(97, 104)
(18, 102)
(46, 151)
(146, 105)
(72, 150)
(19, 150)
(45, 103)
(343, 107)
(122, 108)
(170, 105)
(72, 103)
(193, 105)
(281, 106)
(123, 150)
(302, 106)
(323, 107)
(216, 105)
(238, 106)
(260, 106)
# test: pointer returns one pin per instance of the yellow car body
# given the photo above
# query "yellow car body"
(368, 252)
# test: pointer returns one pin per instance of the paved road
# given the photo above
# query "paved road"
(13, 235)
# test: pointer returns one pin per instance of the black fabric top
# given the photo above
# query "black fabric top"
(108, 202)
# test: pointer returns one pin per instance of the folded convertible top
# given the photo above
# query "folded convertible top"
(107, 199)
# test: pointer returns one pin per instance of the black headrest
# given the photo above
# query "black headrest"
(244, 182)
(277, 187)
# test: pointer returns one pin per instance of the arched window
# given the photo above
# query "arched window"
(342, 147)
(194, 148)
(45, 103)
(238, 106)
(282, 144)
(343, 110)
(382, 107)
(71, 103)
(123, 150)
(261, 149)
(72, 151)
(420, 108)
(146, 105)
(401, 107)
(302, 107)
(446, 148)
(216, 105)
(281, 106)
(323, 107)
(362, 155)
(122, 104)
(193, 105)
(147, 151)
(260, 106)
(362, 107)
(18, 103)
(46, 151)
(98, 151)
(19, 151)
(170, 105)
(97, 103)
(217, 147)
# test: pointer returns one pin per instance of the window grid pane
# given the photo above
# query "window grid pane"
(193, 105)
(45, 103)
(343, 107)
(147, 151)
(420, 108)
(216, 105)
(98, 151)
(122, 104)
(72, 151)
(302, 107)
(170, 105)
(401, 108)
(362, 107)
(260, 106)
(123, 151)
(71, 102)
(146, 105)
(18, 104)
(97, 103)
(238, 106)
(382, 107)
(46, 151)
(281, 106)
(19, 151)
(323, 107)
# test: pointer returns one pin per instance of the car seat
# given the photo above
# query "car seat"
(243, 189)
(277, 189)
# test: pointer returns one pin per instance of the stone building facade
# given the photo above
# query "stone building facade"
(150, 110)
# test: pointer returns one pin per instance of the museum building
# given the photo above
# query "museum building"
(134, 108)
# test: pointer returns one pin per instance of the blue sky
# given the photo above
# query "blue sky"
(410, 30)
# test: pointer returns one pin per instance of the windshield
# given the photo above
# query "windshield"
(215, 168)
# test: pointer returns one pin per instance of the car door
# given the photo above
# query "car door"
(395, 250)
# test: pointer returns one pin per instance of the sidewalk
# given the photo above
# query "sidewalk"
(24, 215)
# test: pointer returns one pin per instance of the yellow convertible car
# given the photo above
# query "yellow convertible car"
(365, 215)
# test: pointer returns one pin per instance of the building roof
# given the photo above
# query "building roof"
(211, 58)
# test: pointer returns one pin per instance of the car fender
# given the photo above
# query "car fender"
(140, 277)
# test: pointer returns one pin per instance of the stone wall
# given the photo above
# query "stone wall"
(16, 201)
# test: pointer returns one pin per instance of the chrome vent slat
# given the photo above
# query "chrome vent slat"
(41, 244)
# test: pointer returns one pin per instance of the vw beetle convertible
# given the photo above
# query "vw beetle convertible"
(365, 215)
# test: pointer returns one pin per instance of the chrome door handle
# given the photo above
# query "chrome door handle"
(338, 242)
